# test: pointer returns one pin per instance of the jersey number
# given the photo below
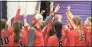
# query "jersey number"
(4, 41)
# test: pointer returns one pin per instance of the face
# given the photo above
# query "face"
(89, 26)
(40, 22)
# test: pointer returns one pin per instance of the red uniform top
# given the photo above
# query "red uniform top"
(23, 40)
(53, 41)
(82, 38)
(68, 35)
(4, 37)
(38, 38)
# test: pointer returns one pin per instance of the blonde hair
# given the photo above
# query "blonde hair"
(77, 20)
(88, 20)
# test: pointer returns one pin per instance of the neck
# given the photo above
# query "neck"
(37, 26)
(79, 27)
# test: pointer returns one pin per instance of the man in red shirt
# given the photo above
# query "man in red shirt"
(38, 36)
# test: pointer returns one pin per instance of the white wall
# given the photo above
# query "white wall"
(30, 8)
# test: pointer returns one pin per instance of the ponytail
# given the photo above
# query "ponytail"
(17, 29)
(58, 28)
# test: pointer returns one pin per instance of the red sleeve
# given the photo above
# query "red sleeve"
(17, 15)
(47, 28)
(44, 31)
(11, 40)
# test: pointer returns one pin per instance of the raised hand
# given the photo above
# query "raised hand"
(43, 11)
(19, 7)
(57, 8)
(59, 16)
(68, 8)
(24, 16)
(51, 6)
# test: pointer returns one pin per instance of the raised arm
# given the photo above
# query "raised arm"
(69, 12)
(51, 16)
(25, 21)
(70, 17)
(17, 14)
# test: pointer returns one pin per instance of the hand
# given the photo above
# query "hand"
(59, 16)
(36, 11)
(68, 8)
(24, 16)
(51, 6)
(43, 11)
(57, 8)
(19, 7)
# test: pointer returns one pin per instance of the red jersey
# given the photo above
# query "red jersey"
(82, 38)
(38, 38)
(53, 41)
(4, 38)
(23, 40)
(68, 35)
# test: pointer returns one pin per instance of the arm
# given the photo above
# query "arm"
(47, 27)
(69, 12)
(48, 18)
(71, 22)
(70, 18)
(51, 16)
(25, 21)
(51, 8)
(17, 14)
(59, 16)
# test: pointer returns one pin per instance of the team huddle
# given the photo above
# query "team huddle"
(50, 32)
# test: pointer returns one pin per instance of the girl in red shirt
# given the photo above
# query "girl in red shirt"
(3, 33)
(88, 26)
(56, 40)
(18, 38)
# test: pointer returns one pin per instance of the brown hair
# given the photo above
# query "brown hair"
(17, 28)
(77, 20)
(58, 28)
(2, 24)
